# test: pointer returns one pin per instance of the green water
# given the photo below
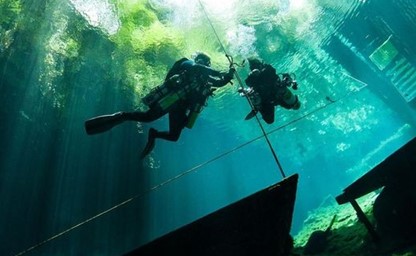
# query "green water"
(63, 62)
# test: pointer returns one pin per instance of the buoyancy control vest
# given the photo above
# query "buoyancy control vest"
(269, 88)
(163, 96)
(180, 85)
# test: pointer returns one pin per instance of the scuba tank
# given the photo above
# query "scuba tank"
(204, 92)
(155, 95)
(193, 115)
(284, 96)
(289, 100)
(166, 94)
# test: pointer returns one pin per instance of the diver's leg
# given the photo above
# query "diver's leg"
(267, 112)
(104, 123)
(150, 115)
(177, 121)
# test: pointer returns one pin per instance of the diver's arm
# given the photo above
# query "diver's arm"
(195, 68)
(216, 78)
(217, 82)
(223, 79)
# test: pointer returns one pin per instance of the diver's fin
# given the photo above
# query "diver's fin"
(150, 143)
(103, 123)
(251, 114)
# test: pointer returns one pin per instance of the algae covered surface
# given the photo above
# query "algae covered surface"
(348, 235)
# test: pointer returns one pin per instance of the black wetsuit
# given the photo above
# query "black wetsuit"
(265, 83)
(204, 77)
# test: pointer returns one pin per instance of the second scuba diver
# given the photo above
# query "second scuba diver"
(267, 90)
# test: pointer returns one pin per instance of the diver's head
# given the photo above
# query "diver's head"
(255, 63)
(202, 58)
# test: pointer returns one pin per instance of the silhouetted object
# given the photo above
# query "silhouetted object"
(103, 123)
(318, 240)
(256, 225)
(394, 205)
(184, 93)
(394, 211)
(267, 90)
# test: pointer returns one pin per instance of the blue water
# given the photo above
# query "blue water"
(65, 193)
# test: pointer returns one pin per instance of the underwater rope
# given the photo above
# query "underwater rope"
(135, 197)
(186, 172)
(206, 162)
(245, 94)
(75, 226)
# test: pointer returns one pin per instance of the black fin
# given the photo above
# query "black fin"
(251, 115)
(103, 123)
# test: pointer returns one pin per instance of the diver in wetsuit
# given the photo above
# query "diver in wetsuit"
(183, 94)
(267, 90)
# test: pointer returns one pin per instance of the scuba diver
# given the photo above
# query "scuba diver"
(267, 90)
(183, 94)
